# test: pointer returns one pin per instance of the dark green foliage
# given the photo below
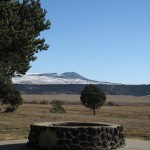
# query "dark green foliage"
(9, 95)
(20, 27)
(13, 98)
(92, 97)
(8, 92)
(21, 23)
(5, 84)
(57, 106)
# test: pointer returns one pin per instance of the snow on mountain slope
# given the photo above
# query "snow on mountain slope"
(54, 78)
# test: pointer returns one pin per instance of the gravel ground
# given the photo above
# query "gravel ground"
(21, 145)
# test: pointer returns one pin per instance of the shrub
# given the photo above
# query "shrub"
(44, 102)
(57, 106)
(8, 93)
(14, 99)
(10, 109)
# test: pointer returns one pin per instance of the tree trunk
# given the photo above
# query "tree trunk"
(94, 111)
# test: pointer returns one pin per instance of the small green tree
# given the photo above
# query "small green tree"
(14, 99)
(8, 92)
(92, 97)
(57, 106)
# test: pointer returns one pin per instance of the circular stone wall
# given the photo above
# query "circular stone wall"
(76, 136)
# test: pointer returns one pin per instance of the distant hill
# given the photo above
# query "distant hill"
(72, 83)
(54, 78)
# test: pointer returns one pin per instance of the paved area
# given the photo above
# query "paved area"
(136, 145)
(13, 145)
(21, 145)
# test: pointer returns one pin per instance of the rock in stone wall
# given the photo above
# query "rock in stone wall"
(105, 137)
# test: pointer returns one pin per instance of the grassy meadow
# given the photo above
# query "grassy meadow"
(117, 99)
(132, 112)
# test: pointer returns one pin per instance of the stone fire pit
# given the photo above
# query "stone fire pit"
(76, 136)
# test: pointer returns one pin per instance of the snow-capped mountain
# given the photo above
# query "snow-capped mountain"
(54, 78)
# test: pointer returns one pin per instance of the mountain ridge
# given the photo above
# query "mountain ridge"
(55, 78)
(72, 83)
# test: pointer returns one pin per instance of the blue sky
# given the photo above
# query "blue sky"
(104, 40)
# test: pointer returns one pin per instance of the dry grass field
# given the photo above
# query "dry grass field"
(135, 119)
(117, 99)
(65, 97)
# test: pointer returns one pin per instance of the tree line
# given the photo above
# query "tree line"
(136, 90)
